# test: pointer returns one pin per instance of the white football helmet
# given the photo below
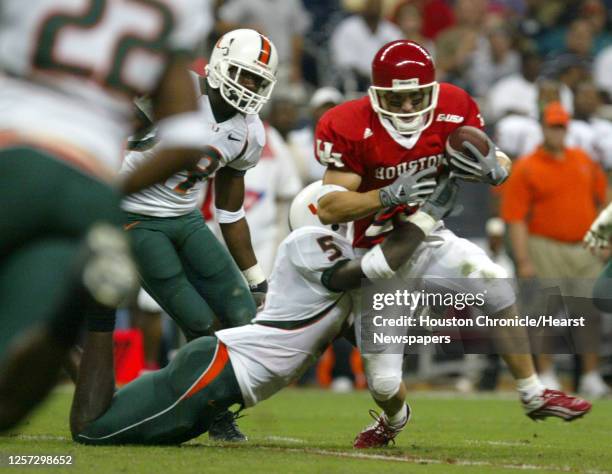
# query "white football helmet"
(239, 52)
(304, 208)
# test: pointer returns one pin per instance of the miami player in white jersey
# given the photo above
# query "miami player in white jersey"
(306, 308)
(181, 263)
(69, 70)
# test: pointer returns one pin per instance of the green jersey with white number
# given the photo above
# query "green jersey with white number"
(70, 69)
(238, 141)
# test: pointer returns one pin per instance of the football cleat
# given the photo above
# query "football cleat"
(379, 433)
(224, 428)
(555, 403)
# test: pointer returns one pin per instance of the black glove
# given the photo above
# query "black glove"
(259, 292)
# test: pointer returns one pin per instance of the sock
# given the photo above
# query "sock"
(399, 419)
(529, 387)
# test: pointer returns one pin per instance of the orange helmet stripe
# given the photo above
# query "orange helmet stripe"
(266, 50)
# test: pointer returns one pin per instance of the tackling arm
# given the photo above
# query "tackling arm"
(383, 260)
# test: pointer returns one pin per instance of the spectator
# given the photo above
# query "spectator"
(548, 218)
(408, 16)
(519, 134)
(301, 141)
(586, 130)
(601, 71)
(493, 62)
(436, 16)
(283, 114)
(356, 41)
(502, 97)
(269, 189)
(455, 46)
(283, 21)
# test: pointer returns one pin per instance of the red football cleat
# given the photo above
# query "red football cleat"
(556, 403)
(379, 433)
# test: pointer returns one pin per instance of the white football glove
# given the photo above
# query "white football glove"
(598, 236)
(485, 169)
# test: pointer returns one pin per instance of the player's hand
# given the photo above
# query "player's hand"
(259, 292)
(486, 168)
(598, 236)
(442, 200)
(409, 187)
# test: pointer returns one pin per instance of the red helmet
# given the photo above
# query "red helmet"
(404, 71)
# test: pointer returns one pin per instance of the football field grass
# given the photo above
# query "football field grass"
(305, 430)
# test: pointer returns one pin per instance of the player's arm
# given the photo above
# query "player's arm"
(348, 206)
(384, 259)
(341, 206)
(175, 110)
(229, 200)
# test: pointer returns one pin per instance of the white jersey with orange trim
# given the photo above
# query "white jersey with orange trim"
(70, 69)
(239, 142)
(299, 320)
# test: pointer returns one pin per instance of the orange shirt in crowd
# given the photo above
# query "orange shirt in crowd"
(557, 198)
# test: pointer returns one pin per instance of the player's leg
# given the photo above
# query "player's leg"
(385, 382)
(168, 406)
(53, 265)
(213, 272)
(164, 278)
(458, 265)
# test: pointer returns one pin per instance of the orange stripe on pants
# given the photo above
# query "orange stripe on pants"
(214, 369)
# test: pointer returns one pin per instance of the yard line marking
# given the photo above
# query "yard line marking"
(285, 439)
(418, 460)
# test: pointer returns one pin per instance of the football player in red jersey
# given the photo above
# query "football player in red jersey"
(376, 147)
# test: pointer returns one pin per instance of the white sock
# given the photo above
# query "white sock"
(399, 419)
(529, 387)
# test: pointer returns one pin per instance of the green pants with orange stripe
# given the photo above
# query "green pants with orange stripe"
(172, 405)
(189, 272)
(46, 210)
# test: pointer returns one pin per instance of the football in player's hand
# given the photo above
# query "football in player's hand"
(473, 135)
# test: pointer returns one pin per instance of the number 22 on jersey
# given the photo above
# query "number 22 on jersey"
(119, 44)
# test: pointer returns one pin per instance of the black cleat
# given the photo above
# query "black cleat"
(224, 428)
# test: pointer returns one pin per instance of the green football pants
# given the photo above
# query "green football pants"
(46, 210)
(171, 405)
(189, 273)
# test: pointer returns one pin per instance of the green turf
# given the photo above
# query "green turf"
(311, 431)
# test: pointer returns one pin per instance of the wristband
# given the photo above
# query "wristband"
(423, 221)
(229, 217)
(374, 264)
(254, 275)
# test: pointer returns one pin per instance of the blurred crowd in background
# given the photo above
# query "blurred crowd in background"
(515, 57)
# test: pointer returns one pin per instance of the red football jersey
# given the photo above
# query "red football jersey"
(350, 137)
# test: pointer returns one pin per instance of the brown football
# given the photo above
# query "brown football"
(467, 134)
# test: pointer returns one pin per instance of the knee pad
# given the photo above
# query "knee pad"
(108, 272)
(494, 279)
(383, 387)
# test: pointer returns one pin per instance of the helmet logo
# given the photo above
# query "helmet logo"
(405, 82)
(225, 49)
